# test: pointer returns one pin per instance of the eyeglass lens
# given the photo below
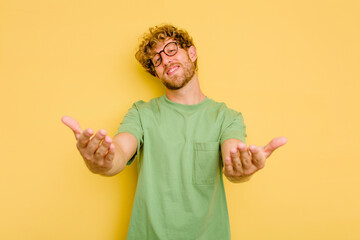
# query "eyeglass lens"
(170, 49)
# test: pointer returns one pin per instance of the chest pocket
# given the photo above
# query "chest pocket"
(207, 163)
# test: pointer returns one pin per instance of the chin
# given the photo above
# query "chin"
(171, 85)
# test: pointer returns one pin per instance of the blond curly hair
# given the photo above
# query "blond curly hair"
(159, 34)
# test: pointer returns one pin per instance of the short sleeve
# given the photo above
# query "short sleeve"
(234, 126)
(132, 124)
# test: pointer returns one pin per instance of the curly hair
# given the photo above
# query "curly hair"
(159, 34)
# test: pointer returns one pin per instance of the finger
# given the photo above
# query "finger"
(73, 125)
(228, 167)
(236, 161)
(84, 138)
(244, 155)
(110, 155)
(258, 157)
(95, 141)
(273, 145)
(103, 149)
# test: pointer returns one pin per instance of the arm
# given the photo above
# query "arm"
(241, 162)
(125, 148)
(102, 155)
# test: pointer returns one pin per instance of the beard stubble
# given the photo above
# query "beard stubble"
(176, 82)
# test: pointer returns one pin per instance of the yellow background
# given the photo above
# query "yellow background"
(291, 68)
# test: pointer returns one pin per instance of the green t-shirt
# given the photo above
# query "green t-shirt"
(180, 192)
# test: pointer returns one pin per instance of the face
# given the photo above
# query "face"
(177, 70)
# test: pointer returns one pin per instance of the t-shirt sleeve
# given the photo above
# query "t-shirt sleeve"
(234, 126)
(132, 124)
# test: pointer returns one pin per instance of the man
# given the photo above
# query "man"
(185, 142)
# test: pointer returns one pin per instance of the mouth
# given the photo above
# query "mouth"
(171, 70)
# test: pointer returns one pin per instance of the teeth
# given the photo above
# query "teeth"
(172, 69)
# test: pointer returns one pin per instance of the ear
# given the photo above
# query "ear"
(192, 53)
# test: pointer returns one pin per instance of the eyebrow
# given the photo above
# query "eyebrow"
(165, 45)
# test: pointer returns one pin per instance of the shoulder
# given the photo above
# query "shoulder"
(152, 104)
(222, 108)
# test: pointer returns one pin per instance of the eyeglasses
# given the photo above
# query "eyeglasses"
(170, 49)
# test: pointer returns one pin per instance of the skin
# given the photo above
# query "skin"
(241, 162)
(102, 154)
(190, 93)
(181, 62)
(106, 156)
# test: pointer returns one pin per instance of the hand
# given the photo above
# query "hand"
(97, 150)
(242, 161)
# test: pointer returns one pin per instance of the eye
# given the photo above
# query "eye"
(156, 60)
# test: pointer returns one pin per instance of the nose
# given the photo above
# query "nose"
(165, 58)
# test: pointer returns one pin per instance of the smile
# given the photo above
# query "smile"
(172, 70)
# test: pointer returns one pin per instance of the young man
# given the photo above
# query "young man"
(185, 142)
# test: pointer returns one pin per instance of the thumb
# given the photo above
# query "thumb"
(274, 144)
(73, 125)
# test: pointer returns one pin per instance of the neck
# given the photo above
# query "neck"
(190, 94)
